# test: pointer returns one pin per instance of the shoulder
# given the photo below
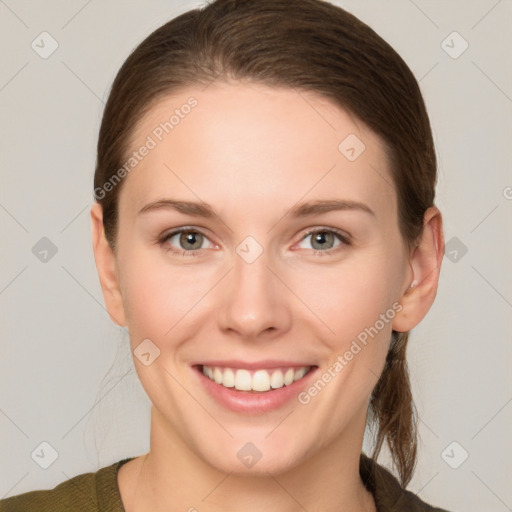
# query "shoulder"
(389, 495)
(88, 492)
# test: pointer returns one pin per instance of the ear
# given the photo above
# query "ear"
(106, 267)
(425, 262)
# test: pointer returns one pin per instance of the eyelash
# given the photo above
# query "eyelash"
(342, 237)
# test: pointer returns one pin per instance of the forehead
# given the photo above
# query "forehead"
(241, 144)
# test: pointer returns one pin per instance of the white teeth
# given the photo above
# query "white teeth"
(217, 375)
(260, 380)
(299, 373)
(277, 380)
(228, 380)
(243, 380)
(288, 376)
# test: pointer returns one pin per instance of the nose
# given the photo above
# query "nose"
(254, 303)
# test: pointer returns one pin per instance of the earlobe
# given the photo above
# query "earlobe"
(106, 267)
(425, 262)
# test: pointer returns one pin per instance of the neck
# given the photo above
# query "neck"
(173, 477)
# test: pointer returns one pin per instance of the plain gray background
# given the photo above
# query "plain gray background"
(66, 373)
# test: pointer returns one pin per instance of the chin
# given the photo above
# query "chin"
(258, 458)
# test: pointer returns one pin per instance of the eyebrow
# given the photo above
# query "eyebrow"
(302, 210)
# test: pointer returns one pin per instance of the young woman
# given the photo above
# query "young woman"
(265, 228)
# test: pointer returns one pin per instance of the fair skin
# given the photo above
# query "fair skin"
(252, 153)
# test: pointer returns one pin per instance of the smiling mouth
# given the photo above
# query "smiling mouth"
(255, 381)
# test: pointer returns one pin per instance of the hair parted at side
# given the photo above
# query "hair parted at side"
(309, 45)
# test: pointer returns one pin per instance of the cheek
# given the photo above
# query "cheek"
(348, 297)
(158, 296)
(354, 302)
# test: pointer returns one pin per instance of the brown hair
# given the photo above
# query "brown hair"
(309, 45)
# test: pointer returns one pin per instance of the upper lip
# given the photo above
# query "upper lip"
(256, 365)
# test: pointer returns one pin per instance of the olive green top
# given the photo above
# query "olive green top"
(99, 492)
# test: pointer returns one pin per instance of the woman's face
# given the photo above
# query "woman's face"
(247, 286)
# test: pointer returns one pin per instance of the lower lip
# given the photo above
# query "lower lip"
(253, 403)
